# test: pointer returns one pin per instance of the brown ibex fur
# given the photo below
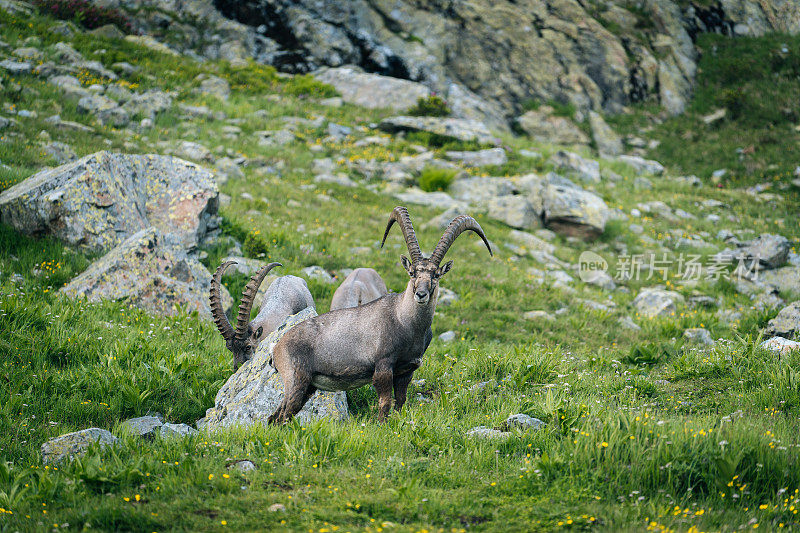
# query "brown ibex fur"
(381, 342)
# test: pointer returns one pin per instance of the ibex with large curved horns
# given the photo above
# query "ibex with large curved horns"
(286, 296)
(381, 342)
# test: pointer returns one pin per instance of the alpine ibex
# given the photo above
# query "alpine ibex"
(360, 287)
(381, 342)
(286, 296)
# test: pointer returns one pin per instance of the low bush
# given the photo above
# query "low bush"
(431, 106)
(436, 179)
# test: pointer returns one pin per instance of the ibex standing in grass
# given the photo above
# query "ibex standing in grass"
(381, 342)
(285, 297)
(360, 287)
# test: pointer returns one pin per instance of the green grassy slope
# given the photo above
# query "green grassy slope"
(643, 431)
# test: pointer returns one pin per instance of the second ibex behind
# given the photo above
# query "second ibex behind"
(381, 342)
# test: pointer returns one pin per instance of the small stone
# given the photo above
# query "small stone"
(780, 346)
(446, 297)
(275, 507)
(628, 323)
(538, 315)
(447, 336)
(699, 336)
(642, 166)
(318, 273)
(243, 465)
(787, 323)
(523, 422)
(483, 432)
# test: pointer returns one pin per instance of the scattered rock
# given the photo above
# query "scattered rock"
(105, 110)
(542, 125)
(698, 336)
(437, 199)
(780, 346)
(483, 432)
(642, 166)
(599, 278)
(16, 67)
(454, 128)
(176, 430)
(243, 465)
(61, 152)
(373, 90)
(654, 302)
(574, 212)
(538, 315)
(75, 444)
(277, 507)
(716, 116)
(148, 104)
(101, 199)
(448, 336)
(151, 271)
(586, 170)
(606, 140)
(446, 297)
(523, 422)
(479, 158)
(318, 273)
(143, 426)
(214, 86)
(786, 279)
(787, 323)
(149, 42)
(628, 323)
(515, 211)
(253, 393)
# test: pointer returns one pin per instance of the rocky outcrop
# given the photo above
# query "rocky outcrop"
(542, 125)
(102, 199)
(452, 128)
(150, 270)
(787, 323)
(253, 393)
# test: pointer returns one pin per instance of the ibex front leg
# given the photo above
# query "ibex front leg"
(382, 380)
(400, 388)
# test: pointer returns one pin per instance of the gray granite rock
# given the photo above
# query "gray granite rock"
(75, 444)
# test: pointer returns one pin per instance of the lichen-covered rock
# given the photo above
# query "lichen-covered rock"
(698, 336)
(483, 432)
(543, 126)
(176, 430)
(101, 199)
(787, 323)
(75, 444)
(105, 110)
(253, 393)
(480, 158)
(574, 212)
(573, 165)
(515, 211)
(606, 140)
(786, 279)
(148, 104)
(523, 422)
(151, 271)
(373, 90)
(142, 426)
(641, 165)
(654, 302)
(454, 128)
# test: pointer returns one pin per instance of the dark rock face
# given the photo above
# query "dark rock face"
(485, 48)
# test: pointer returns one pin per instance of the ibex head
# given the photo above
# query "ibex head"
(426, 271)
(243, 341)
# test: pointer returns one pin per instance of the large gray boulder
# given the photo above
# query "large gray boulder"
(606, 140)
(515, 211)
(453, 128)
(75, 444)
(785, 279)
(373, 90)
(253, 393)
(787, 323)
(150, 270)
(101, 199)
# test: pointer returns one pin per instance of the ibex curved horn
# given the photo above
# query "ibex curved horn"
(459, 225)
(217, 312)
(248, 294)
(401, 216)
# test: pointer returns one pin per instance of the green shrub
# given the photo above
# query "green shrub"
(252, 79)
(254, 245)
(436, 179)
(309, 86)
(84, 13)
(431, 106)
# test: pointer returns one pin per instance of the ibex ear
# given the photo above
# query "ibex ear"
(406, 264)
(444, 269)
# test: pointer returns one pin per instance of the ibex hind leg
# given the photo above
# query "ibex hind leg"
(294, 398)
(400, 389)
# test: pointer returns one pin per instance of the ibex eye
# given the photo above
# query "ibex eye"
(259, 332)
